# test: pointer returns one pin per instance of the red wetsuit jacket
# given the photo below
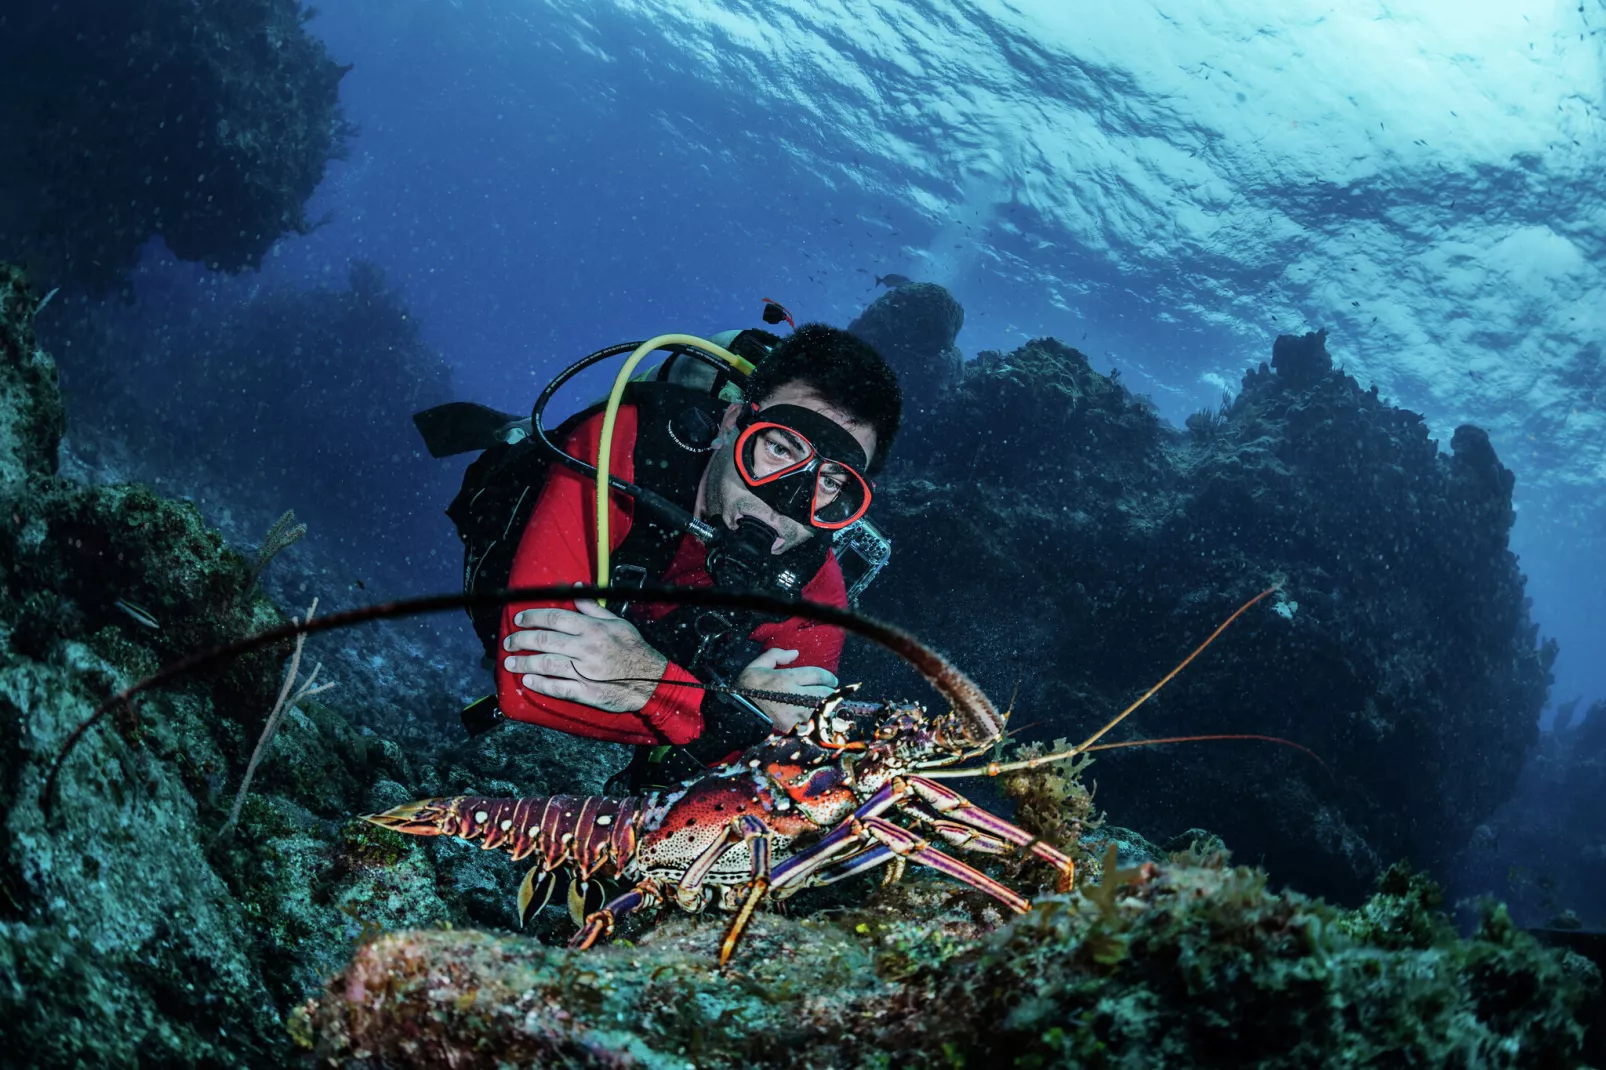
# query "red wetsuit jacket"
(559, 547)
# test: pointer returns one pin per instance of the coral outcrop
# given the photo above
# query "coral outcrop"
(1048, 527)
(290, 398)
(1545, 849)
(1193, 963)
(913, 327)
(207, 125)
(130, 932)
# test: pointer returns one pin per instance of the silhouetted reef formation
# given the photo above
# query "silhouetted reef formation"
(914, 327)
(1546, 847)
(286, 399)
(1049, 527)
(208, 125)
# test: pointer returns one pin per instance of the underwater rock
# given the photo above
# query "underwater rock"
(1050, 531)
(913, 327)
(130, 932)
(287, 399)
(1179, 965)
(32, 419)
(1546, 848)
(208, 125)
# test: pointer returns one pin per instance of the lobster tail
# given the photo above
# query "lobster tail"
(590, 832)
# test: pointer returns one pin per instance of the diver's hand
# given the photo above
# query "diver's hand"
(577, 651)
(764, 673)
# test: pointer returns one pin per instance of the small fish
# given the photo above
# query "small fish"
(775, 312)
(140, 614)
(359, 584)
(40, 307)
(891, 282)
(1475, 375)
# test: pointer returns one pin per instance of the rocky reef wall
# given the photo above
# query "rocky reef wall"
(207, 125)
(135, 931)
(1049, 528)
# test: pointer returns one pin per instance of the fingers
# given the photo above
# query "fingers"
(555, 687)
(772, 658)
(543, 664)
(554, 620)
(808, 676)
(588, 607)
(544, 641)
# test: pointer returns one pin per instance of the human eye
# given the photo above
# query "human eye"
(782, 446)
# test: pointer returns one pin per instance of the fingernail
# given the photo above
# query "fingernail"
(507, 644)
(529, 681)
(518, 618)
(507, 663)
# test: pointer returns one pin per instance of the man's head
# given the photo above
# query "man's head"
(834, 375)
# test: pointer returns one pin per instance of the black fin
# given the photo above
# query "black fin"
(480, 716)
(463, 427)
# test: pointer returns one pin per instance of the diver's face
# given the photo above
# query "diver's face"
(729, 498)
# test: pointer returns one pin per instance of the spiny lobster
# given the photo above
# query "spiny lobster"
(735, 834)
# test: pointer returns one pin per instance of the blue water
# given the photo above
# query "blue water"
(1166, 189)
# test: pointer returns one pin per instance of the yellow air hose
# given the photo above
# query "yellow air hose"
(605, 447)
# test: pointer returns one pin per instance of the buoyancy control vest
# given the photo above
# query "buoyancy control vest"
(675, 430)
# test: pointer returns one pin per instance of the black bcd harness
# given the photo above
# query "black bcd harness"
(675, 430)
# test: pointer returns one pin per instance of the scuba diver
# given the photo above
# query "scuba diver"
(755, 481)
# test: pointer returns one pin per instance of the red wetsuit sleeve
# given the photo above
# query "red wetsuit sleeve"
(558, 547)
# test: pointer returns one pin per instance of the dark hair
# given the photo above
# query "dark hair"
(844, 371)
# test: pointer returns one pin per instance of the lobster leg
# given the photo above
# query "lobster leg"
(743, 829)
(905, 844)
(879, 855)
(951, 804)
(795, 872)
(644, 895)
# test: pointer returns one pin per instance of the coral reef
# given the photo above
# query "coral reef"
(913, 327)
(1186, 964)
(208, 125)
(1399, 649)
(129, 935)
(1545, 849)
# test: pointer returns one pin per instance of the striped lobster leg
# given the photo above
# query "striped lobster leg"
(970, 827)
(643, 896)
(839, 845)
(592, 834)
(689, 892)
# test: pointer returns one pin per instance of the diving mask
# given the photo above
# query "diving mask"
(803, 465)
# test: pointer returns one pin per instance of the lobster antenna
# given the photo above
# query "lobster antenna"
(1214, 735)
(954, 686)
(995, 768)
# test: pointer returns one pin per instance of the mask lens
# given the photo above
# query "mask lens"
(841, 496)
(770, 451)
